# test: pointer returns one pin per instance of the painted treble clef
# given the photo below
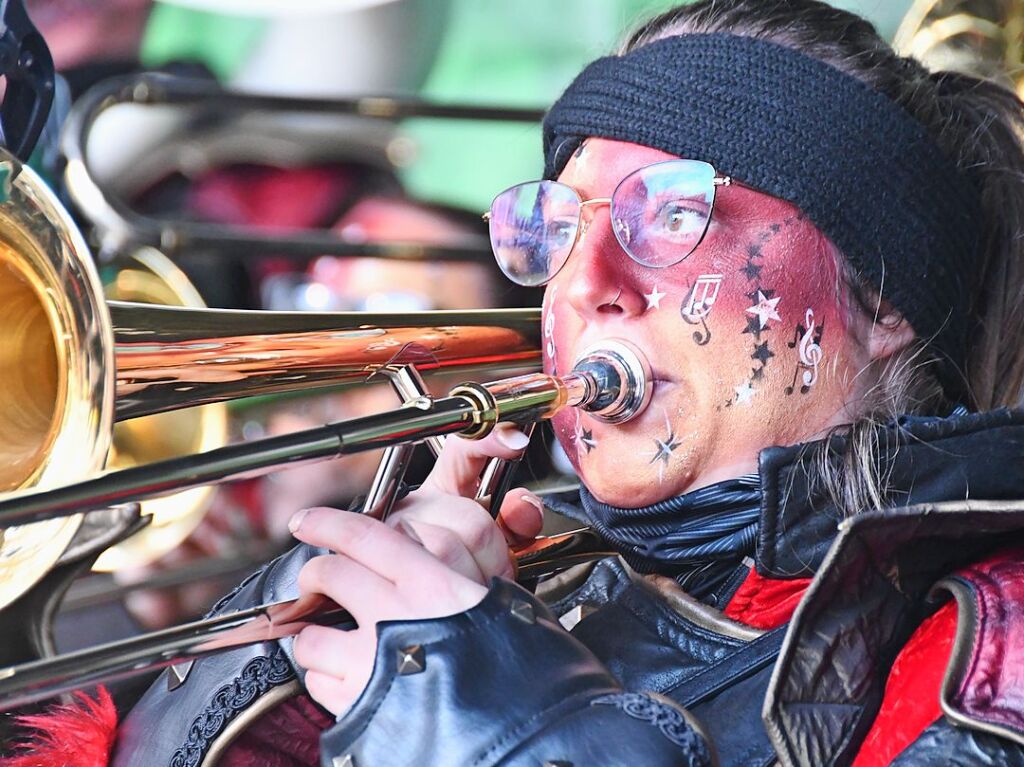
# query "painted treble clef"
(810, 353)
(549, 326)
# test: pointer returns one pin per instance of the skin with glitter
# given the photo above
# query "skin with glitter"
(718, 404)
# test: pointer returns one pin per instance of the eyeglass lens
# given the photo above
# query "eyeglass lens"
(659, 215)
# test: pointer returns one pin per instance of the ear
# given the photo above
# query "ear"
(889, 333)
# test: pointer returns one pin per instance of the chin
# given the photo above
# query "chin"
(629, 484)
(628, 495)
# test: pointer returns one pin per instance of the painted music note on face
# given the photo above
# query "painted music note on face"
(808, 336)
(549, 327)
(698, 303)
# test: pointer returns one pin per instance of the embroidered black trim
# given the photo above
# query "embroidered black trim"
(257, 677)
(670, 721)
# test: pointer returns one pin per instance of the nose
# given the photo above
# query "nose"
(601, 277)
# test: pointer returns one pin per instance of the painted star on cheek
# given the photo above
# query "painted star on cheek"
(753, 327)
(765, 309)
(744, 393)
(654, 299)
(587, 438)
(584, 436)
(752, 270)
(762, 353)
(663, 449)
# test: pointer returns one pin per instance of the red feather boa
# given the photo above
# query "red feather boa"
(79, 734)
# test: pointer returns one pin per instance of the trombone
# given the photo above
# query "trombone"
(612, 381)
(73, 363)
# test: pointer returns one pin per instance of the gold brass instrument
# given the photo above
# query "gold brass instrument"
(612, 381)
(72, 363)
(150, 277)
(979, 37)
(56, 366)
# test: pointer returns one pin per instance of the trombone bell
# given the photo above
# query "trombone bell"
(56, 365)
(28, 356)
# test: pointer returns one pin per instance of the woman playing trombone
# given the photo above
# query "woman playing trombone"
(818, 245)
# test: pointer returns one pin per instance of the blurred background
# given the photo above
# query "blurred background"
(520, 54)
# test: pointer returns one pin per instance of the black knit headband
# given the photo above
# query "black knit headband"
(863, 170)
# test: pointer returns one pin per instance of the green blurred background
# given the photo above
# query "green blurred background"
(519, 53)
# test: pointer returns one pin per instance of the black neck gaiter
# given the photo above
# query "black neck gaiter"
(699, 538)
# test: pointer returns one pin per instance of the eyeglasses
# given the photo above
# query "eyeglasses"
(659, 215)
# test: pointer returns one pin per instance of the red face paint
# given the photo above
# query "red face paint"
(748, 338)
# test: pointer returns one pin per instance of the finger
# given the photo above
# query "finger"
(457, 471)
(476, 530)
(353, 586)
(326, 650)
(521, 516)
(336, 695)
(367, 541)
(446, 546)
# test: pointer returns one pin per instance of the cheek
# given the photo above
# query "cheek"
(559, 328)
(556, 348)
(769, 315)
(797, 315)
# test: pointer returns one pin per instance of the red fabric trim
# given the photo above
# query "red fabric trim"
(79, 734)
(991, 688)
(286, 736)
(911, 701)
(766, 603)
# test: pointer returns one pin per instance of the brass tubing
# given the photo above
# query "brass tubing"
(120, 228)
(471, 409)
(171, 357)
(41, 679)
(240, 461)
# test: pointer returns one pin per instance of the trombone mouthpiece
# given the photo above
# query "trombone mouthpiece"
(618, 378)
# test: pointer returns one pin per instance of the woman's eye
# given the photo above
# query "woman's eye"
(680, 216)
(560, 232)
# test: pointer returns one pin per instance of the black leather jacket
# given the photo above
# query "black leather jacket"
(647, 675)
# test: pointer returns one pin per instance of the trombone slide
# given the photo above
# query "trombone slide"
(613, 382)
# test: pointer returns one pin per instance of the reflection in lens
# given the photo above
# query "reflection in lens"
(662, 211)
(533, 227)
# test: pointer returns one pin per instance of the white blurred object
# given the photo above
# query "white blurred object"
(336, 47)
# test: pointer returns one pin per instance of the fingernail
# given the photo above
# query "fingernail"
(534, 501)
(296, 521)
(512, 438)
